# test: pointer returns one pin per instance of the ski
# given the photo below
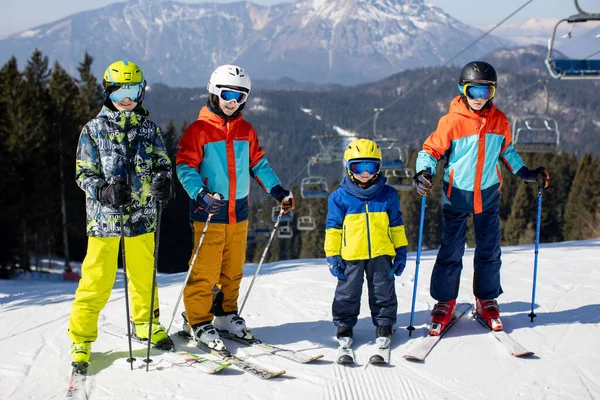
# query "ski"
(421, 350)
(382, 351)
(244, 365)
(76, 389)
(293, 355)
(203, 364)
(515, 348)
(345, 354)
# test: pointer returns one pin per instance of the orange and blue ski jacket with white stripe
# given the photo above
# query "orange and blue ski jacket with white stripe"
(474, 143)
(222, 156)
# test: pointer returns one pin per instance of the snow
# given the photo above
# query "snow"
(290, 306)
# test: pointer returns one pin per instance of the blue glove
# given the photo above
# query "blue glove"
(423, 182)
(399, 262)
(210, 202)
(337, 267)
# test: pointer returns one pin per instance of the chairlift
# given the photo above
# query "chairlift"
(573, 68)
(288, 217)
(285, 230)
(314, 187)
(262, 230)
(394, 168)
(306, 222)
(535, 134)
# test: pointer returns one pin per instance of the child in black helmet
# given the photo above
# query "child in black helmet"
(475, 137)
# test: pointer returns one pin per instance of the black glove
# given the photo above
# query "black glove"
(162, 187)
(115, 194)
(285, 197)
(423, 181)
(541, 176)
(210, 202)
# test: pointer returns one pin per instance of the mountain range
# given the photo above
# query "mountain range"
(321, 41)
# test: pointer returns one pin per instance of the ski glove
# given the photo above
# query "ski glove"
(541, 176)
(399, 262)
(285, 197)
(162, 187)
(115, 194)
(423, 182)
(210, 202)
(337, 267)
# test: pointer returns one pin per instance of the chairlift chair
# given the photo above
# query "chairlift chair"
(314, 187)
(394, 168)
(535, 134)
(262, 230)
(573, 68)
(288, 217)
(306, 223)
(285, 231)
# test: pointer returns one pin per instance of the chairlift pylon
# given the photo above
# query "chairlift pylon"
(573, 68)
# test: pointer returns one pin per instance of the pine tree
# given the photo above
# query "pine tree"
(582, 211)
(90, 99)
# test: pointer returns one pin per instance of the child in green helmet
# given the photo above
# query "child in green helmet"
(123, 168)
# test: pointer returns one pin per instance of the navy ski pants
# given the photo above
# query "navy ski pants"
(445, 278)
(382, 292)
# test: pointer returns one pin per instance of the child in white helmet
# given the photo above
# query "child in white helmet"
(218, 154)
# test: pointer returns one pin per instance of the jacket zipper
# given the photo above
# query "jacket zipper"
(368, 229)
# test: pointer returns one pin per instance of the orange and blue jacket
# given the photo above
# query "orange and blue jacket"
(221, 156)
(474, 144)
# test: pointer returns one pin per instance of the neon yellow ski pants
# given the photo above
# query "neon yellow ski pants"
(98, 273)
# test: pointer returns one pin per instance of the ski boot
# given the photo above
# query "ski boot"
(233, 325)
(489, 311)
(204, 334)
(442, 314)
(81, 352)
(344, 336)
(158, 337)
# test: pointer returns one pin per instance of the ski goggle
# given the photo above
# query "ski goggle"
(133, 91)
(370, 166)
(229, 94)
(475, 91)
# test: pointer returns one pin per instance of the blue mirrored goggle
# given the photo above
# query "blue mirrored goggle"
(474, 91)
(231, 95)
(133, 91)
(370, 166)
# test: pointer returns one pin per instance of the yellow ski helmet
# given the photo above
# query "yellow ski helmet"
(122, 72)
(362, 149)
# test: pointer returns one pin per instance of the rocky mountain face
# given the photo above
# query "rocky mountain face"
(319, 41)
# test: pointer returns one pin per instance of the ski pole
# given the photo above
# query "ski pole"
(130, 360)
(262, 258)
(532, 314)
(410, 327)
(158, 215)
(189, 272)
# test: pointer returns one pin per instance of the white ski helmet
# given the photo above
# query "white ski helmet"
(228, 75)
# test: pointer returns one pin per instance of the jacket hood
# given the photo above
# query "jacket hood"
(364, 193)
(457, 106)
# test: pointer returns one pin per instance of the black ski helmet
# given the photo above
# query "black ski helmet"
(478, 71)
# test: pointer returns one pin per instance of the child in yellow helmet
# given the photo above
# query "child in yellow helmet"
(123, 168)
(365, 236)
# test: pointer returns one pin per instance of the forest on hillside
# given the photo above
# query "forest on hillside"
(42, 109)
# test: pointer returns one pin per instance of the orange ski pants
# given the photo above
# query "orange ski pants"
(220, 261)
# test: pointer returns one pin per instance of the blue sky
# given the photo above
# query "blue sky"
(17, 17)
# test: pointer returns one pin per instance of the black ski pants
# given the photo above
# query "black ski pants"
(382, 292)
(445, 278)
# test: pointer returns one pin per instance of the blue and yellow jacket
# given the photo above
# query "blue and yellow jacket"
(364, 223)
(222, 156)
(474, 144)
